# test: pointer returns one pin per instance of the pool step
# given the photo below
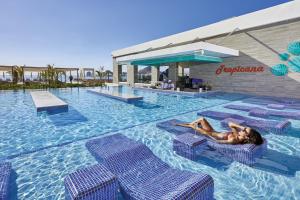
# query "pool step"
(46, 101)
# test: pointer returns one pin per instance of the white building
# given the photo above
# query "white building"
(256, 52)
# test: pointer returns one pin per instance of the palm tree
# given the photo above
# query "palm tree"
(17, 74)
(100, 72)
(108, 73)
(51, 74)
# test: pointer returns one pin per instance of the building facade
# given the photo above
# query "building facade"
(254, 53)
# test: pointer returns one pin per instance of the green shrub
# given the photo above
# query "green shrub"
(36, 85)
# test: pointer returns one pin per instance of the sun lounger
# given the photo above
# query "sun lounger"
(142, 175)
(240, 107)
(274, 103)
(171, 127)
(92, 182)
(5, 172)
(260, 112)
(244, 153)
(276, 106)
(264, 125)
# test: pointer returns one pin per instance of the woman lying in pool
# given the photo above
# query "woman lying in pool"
(238, 134)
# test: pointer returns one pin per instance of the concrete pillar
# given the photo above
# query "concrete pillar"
(117, 70)
(154, 74)
(132, 71)
(173, 72)
(180, 69)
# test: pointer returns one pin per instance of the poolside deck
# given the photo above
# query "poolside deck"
(46, 101)
(116, 95)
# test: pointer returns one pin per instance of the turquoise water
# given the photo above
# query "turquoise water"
(43, 148)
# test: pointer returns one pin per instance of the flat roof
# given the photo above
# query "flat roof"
(178, 58)
(200, 48)
(275, 14)
(5, 68)
(37, 69)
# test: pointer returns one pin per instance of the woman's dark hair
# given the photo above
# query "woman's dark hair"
(254, 137)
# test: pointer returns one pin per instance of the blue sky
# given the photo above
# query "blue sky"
(82, 33)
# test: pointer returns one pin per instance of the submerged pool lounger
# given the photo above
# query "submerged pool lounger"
(5, 173)
(275, 103)
(264, 125)
(142, 175)
(121, 97)
(46, 101)
(243, 153)
(260, 112)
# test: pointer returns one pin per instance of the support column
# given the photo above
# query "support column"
(173, 72)
(180, 69)
(154, 74)
(132, 71)
(117, 70)
(77, 76)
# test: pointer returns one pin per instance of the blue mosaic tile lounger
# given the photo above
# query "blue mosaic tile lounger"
(142, 175)
(260, 112)
(243, 153)
(5, 172)
(93, 182)
(275, 102)
(274, 126)
(240, 107)
(264, 113)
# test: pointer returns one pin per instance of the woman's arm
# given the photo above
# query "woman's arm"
(234, 125)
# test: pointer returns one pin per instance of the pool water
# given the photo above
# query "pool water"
(45, 147)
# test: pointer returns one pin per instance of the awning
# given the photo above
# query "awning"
(196, 52)
(178, 58)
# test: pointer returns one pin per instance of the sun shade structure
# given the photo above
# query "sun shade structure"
(179, 58)
(195, 52)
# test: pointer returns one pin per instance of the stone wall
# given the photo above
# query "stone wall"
(257, 48)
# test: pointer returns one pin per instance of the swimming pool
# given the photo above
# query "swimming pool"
(43, 147)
